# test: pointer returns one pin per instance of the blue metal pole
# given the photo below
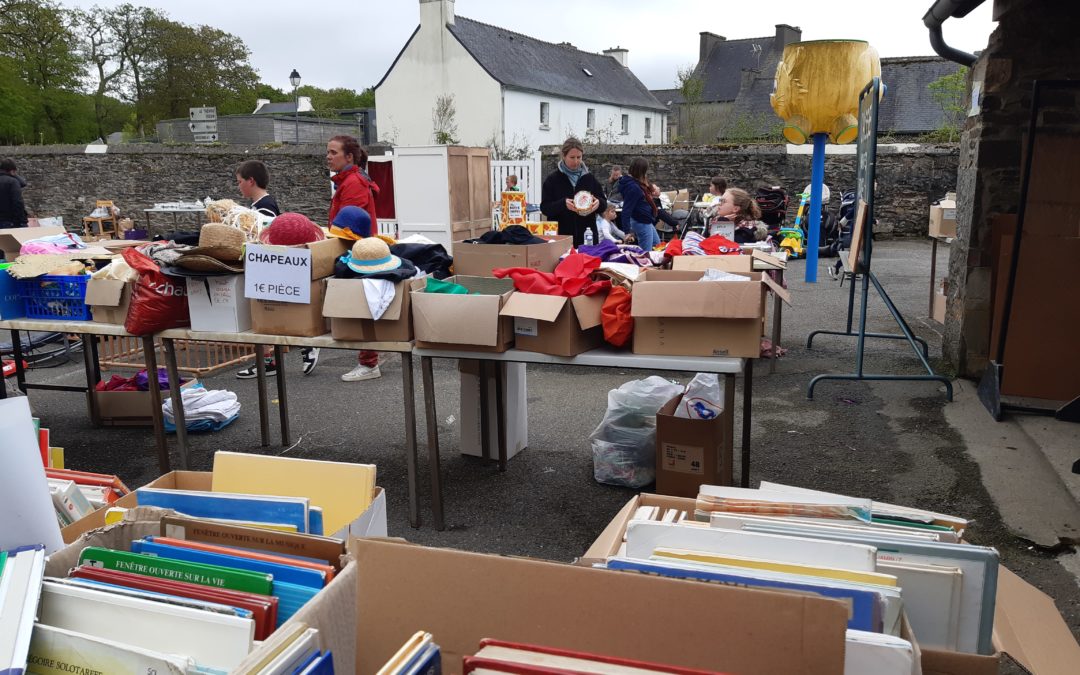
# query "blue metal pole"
(817, 178)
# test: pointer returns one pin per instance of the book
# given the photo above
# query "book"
(69, 499)
(306, 546)
(56, 651)
(20, 588)
(325, 571)
(775, 502)
(320, 664)
(279, 572)
(514, 657)
(294, 654)
(291, 511)
(156, 596)
(56, 457)
(270, 649)
(880, 654)
(178, 570)
(412, 647)
(762, 564)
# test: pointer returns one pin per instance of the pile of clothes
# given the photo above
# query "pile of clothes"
(140, 381)
(204, 409)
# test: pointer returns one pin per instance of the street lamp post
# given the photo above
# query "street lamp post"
(294, 79)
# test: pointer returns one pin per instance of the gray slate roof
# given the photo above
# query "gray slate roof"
(722, 69)
(908, 107)
(521, 62)
(669, 97)
(277, 108)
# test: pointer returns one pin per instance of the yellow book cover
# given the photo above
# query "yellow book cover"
(56, 458)
(773, 566)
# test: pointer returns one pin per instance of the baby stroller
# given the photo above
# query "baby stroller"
(773, 202)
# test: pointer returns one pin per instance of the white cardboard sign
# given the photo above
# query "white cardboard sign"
(277, 273)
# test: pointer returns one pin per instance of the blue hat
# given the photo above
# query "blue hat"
(355, 219)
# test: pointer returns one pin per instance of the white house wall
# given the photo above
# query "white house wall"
(568, 116)
(434, 64)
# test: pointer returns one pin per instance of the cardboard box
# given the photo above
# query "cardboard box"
(943, 219)
(465, 322)
(324, 254)
(677, 314)
(479, 259)
(12, 238)
(556, 325)
(12, 305)
(217, 304)
(350, 318)
(515, 404)
(463, 597)
(939, 301)
(130, 408)
(692, 452)
(270, 317)
(109, 299)
(741, 264)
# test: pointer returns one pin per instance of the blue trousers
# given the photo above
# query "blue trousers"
(647, 236)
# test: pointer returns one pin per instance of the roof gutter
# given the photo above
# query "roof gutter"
(936, 15)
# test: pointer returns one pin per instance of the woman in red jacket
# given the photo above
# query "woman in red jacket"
(353, 187)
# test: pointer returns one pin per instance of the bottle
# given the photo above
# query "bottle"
(588, 237)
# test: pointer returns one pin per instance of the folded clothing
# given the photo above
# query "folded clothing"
(214, 405)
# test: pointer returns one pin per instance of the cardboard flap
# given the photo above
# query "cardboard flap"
(104, 292)
(697, 299)
(587, 308)
(727, 263)
(766, 261)
(1029, 628)
(534, 306)
(780, 291)
(14, 237)
(456, 319)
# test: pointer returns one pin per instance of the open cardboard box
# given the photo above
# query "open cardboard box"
(743, 264)
(461, 598)
(109, 299)
(130, 408)
(692, 452)
(479, 259)
(324, 254)
(350, 317)
(1028, 629)
(943, 218)
(12, 238)
(677, 314)
(217, 304)
(465, 322)
(551, 324)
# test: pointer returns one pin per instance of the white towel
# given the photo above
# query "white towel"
(379, 294)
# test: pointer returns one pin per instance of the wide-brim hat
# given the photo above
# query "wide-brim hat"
(351, 222)
(291, 229)
(221, 248)
(371, 256)
(208, 262)
(211, 268)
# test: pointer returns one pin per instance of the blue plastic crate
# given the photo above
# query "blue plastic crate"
(55, 297)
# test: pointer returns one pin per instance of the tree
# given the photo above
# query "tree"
(134, 28)
(443, 117)
(103, 48)
(692, 88)
(951, 93)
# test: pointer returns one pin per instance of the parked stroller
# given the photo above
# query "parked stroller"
(773, 202)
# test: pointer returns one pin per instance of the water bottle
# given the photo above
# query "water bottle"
(588, 237)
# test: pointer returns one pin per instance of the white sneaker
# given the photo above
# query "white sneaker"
(360, 373)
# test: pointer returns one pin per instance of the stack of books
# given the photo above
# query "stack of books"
(418, 656)
(497, 656)
(99, 489)
(21, 573)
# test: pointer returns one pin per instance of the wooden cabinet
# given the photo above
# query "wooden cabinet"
(442, 192)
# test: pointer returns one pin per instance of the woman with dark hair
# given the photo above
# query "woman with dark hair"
(639, 209)
(353, 187)
(557, 196)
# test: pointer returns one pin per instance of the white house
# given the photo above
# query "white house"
(511, 89)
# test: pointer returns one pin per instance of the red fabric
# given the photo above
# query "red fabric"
(615, 317)
(355, 190)
(713, 244)
(674, 247)
(158, 302)
(570, 279)
(382, 175)
(117, 383)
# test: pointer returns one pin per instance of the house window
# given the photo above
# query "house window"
(545, 114)
(648, 127)
(625, 124)
(590, 119)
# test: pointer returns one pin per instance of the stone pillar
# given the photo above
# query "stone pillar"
(1028, 44)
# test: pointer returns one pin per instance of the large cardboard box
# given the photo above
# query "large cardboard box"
(350, 318)
(677, 314)
(109, 299)
(217, 304)
(479, 259)
(692, 452)
(550, 324)
(462, 598)
(465, 322)
(943, 218)
(515, 404)
(12, 238)
(742, 264)
(324, 254)
(270, 317)
(129, 408)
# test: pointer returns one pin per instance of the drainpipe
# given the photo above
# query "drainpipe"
(936, 15)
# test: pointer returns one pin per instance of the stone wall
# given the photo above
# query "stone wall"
(910, 177)
(65, 181)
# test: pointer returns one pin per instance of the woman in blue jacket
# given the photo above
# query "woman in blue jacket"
(639, 208)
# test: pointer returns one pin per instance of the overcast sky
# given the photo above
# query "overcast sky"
(351, 43)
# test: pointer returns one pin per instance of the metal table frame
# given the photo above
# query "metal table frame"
(597, 358)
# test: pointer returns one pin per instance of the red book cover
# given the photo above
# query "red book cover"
(327, 570)
(474, 662)
(43, 446)
(263, 607)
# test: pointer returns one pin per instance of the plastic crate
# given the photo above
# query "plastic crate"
(55, 297)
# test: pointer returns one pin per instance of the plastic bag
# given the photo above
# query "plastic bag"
(704, 398)
(158, 302)
(624, 444)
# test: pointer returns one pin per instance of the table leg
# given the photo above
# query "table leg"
(169, 347)
(433, 442)
(260, 380)
(933, 273)
(95, 356)
(485, 418)
(729, 408)
(500, 413)
(748, 397)
(408, 395)
(91, 380)
(20, 371)
(150, 354)
(283, 398)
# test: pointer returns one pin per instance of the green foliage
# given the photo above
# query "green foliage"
(951, 93)
(444, 121)
(692, 88)
(748, 127)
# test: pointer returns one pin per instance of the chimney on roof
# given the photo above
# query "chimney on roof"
(441, 12)
(708, 41)
(786, 34)
(619, 54)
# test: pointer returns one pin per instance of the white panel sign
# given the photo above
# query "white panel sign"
(202, 114)
(277, 273)
(206, 138)
(202, 127)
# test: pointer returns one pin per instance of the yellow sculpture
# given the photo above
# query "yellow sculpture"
(817, 88)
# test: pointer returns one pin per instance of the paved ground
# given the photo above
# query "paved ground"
(898, 442)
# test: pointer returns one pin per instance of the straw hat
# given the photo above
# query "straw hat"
(371, 256)
(291, 229)
(220, 249)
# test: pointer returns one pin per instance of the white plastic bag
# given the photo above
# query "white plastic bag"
(704, 398)
(624, 444)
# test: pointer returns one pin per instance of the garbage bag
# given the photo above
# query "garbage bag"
(624, 444)
(704, 398)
